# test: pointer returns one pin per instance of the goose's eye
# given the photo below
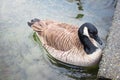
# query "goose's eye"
(93, 34)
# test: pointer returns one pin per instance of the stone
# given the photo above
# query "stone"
(110, 63)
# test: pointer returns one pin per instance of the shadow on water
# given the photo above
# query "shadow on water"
(72, 71)
(76, 72)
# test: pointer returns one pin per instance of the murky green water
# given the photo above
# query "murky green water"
(22, 58)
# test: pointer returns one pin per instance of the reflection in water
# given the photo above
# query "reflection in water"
(79, 16)
(79, 4)
(21, 57)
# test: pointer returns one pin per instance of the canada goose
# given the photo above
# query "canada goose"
(68, 43)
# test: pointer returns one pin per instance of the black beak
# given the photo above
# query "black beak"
(33, 21)
(98, 40)
(29, 23)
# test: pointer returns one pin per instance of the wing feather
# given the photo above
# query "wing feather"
(60, 36)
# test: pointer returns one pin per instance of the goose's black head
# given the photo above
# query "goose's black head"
(85, 32)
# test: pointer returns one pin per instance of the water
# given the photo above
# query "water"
(22, 58)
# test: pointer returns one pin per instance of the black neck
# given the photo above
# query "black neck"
(89, 47)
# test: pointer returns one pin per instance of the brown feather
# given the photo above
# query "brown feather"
(62, 42)
(60, 36)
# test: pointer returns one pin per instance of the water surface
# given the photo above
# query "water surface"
(22, 58)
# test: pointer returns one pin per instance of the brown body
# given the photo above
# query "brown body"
(62, 42)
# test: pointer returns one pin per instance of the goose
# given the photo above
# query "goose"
(68, 43)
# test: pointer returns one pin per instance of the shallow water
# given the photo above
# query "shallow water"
(22, 58)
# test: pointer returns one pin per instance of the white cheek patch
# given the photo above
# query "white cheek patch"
(85, 31)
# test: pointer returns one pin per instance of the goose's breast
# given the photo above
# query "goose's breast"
(72, 56)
